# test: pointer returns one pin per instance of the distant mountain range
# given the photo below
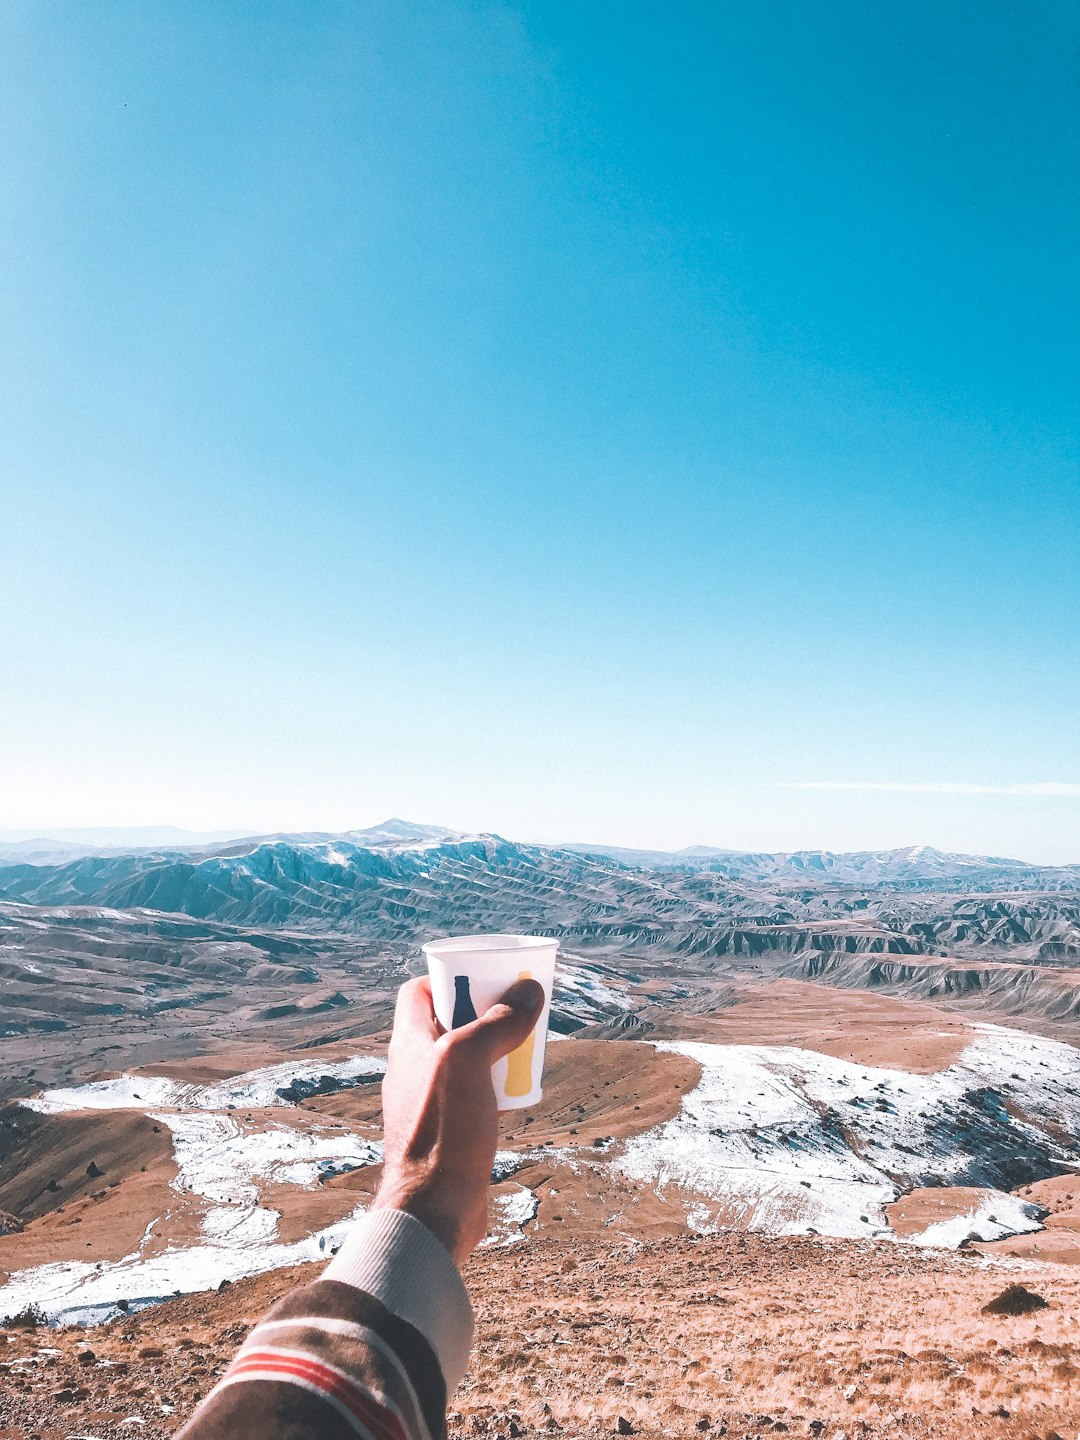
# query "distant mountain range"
(52, 846)
(397, 880)
(913, 864)
(916, 866)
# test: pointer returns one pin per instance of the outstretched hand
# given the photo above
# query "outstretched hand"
(440, 1115)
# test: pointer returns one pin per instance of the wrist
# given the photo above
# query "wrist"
(457, 1225)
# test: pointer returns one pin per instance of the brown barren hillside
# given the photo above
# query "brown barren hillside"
(736, 1336)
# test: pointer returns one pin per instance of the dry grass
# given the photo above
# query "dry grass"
(753, 1335)
(865, 1339)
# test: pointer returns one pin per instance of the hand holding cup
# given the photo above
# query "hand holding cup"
(440, 1111)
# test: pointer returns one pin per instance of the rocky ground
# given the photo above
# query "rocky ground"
(733, 1335)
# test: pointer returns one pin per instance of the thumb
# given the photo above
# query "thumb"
(508, 1022)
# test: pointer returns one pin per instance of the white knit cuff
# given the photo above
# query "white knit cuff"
(396, 1258)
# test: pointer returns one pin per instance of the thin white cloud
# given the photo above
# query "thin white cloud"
(1054, 788)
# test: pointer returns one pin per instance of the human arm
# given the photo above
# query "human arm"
(374, 1347)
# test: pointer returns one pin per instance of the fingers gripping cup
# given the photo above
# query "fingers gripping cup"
(470, 973)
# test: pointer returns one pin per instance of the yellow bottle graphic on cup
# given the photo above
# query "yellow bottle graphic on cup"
(519, 1063)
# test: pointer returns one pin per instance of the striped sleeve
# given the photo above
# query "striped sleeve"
(370, 1350)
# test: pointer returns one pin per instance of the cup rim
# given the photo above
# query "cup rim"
(485, 945)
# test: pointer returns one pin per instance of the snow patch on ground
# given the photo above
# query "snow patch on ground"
(507, 1163)
(232, 1225)
(582, 992)
(222, 1162)
(77, 1293)
(786, 1141)
(257, 1089)
(510, 1212)
(997, 1215)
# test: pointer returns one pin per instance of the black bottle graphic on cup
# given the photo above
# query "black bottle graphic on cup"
(464, 1010)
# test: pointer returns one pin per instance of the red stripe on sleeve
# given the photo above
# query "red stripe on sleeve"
(383, 1424)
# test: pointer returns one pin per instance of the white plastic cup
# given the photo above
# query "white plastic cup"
(470, 973)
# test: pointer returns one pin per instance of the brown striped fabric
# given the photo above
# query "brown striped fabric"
(337, 1356)
(334, 1362)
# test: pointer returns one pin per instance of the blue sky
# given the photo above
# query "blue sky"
(606, 421)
